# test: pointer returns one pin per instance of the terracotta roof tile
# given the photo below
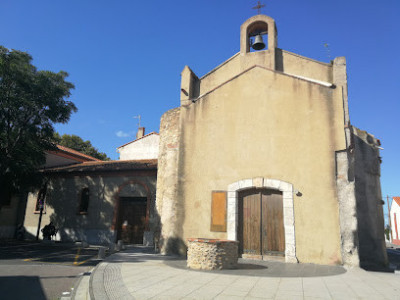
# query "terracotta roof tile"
(113, 165)
(76, 153)
(397, 199)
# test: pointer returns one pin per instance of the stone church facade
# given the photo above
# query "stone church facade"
(261, 150)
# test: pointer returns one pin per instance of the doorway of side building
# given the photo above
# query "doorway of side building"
(261, 231)
(132, 219)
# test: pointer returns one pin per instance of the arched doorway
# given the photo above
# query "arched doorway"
(286, 188)
(261, 228)
(132, 212)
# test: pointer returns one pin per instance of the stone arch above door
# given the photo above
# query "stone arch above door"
(117, 202)
(288, 210)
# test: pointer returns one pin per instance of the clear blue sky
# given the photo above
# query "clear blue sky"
(125, 57)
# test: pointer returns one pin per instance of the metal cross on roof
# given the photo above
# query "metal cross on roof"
(259, 6)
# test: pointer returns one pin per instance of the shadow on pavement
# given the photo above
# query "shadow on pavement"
(269, 269)
(394, 262)
(137, 254)
(21, 287)
(62, 253)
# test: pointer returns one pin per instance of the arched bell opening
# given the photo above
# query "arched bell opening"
(257, 34)
(256, 28)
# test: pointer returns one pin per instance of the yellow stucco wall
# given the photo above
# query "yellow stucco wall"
(286, 62)
(266, 124)
(302, 66)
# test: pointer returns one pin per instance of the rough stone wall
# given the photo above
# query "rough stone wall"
(212, 255)
(167, 203)
(347, 207)
(345, 181)
(372, 250)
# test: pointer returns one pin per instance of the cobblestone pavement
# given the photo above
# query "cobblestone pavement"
(139, 274)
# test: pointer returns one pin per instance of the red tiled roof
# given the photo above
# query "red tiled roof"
(113, 165)
(397, 199)
(75, 153)
(138, 139)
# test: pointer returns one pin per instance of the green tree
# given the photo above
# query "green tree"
(77, 143)
(31, 102)
(387, 232)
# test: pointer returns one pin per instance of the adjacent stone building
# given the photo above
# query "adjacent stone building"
(95, 201)
(99, 202)
(12, 215)
(261, 150)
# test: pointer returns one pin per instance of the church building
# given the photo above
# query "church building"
(261, 150)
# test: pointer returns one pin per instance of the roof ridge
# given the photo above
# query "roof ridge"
(153, 132)
(146, 163)
(75, 152)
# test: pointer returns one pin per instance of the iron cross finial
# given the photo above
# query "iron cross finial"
(259, 6)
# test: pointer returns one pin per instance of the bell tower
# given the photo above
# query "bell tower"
(252, 33)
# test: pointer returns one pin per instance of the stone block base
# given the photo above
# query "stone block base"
(212, 254)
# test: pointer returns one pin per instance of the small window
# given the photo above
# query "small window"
(84, 202)
(41, 201)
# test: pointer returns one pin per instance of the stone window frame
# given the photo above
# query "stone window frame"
(288, 210)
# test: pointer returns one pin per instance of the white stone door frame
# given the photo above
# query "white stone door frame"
(288, 210)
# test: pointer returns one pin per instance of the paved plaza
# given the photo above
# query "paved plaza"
(139, 274)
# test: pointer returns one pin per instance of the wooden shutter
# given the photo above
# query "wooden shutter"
(218, 211)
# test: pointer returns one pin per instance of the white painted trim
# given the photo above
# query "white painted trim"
(288, 210)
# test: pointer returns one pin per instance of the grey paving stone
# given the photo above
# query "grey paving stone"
(228, 297)
(315, 287)
(206, 292)
(156, 277)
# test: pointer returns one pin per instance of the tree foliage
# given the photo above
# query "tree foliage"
(77, 143)
(31, 102)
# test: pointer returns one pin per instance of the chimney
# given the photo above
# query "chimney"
(140, 133)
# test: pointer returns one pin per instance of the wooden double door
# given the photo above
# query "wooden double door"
(261, 231)
(132, 219)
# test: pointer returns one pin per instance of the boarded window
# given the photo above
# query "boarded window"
(84, 202)
(218, 211)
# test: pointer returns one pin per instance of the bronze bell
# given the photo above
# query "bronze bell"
(258, 43)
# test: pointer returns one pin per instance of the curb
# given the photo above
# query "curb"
(90, 288)
(80, 285)
(76, 287)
